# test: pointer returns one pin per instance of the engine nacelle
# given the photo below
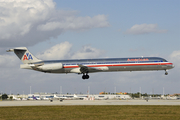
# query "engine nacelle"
(50, 67)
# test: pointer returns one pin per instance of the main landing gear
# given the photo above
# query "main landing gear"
(85, 76)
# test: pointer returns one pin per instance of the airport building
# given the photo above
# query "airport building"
(47, 96)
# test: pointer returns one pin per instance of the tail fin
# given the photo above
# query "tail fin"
(75, 96)
(24, 55)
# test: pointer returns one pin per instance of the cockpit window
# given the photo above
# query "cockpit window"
(164, 60)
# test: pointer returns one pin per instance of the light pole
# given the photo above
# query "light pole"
(30, 90)
(140, 93)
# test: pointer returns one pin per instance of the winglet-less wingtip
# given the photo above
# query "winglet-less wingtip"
(10, 50)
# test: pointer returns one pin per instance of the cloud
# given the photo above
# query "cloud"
(175, 54)
(88, 52)
(8, 61)
(27, 22)
(75, 23)
(59, 51)
(62, 51)
(144, 29)
(175, 58)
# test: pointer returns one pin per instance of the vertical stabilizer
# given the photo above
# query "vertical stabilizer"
(24, 55)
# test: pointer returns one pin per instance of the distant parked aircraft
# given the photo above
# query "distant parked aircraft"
(60, 97)
(80, 97)
(86, 66)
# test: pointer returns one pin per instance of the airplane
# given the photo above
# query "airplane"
(61, 98)
(15, 98)
(79, 97)
(33, 97)
(86, 66)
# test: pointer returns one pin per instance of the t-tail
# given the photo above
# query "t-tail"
(24, 55)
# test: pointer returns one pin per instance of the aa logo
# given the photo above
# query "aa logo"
(27, 57)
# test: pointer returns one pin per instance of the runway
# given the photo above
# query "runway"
(88, 102)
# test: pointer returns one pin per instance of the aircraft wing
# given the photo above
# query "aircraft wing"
(87, 69)
(84, 69)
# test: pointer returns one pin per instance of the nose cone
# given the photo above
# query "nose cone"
(173, 66)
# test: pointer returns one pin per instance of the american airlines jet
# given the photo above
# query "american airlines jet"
(86, 66)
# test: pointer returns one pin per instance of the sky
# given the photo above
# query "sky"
(68, 29)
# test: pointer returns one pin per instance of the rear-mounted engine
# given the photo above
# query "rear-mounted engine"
(50, 67)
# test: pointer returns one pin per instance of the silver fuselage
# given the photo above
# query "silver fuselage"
(109, 64)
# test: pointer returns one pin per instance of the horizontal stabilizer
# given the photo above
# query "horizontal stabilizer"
(17, 49)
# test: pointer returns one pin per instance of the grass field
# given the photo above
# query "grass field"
(128, 112)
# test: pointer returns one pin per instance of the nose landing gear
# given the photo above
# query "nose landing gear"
(166, 73)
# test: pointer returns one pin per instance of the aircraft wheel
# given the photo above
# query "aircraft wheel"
(166, 73)
(83, 77)
(87, 76)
